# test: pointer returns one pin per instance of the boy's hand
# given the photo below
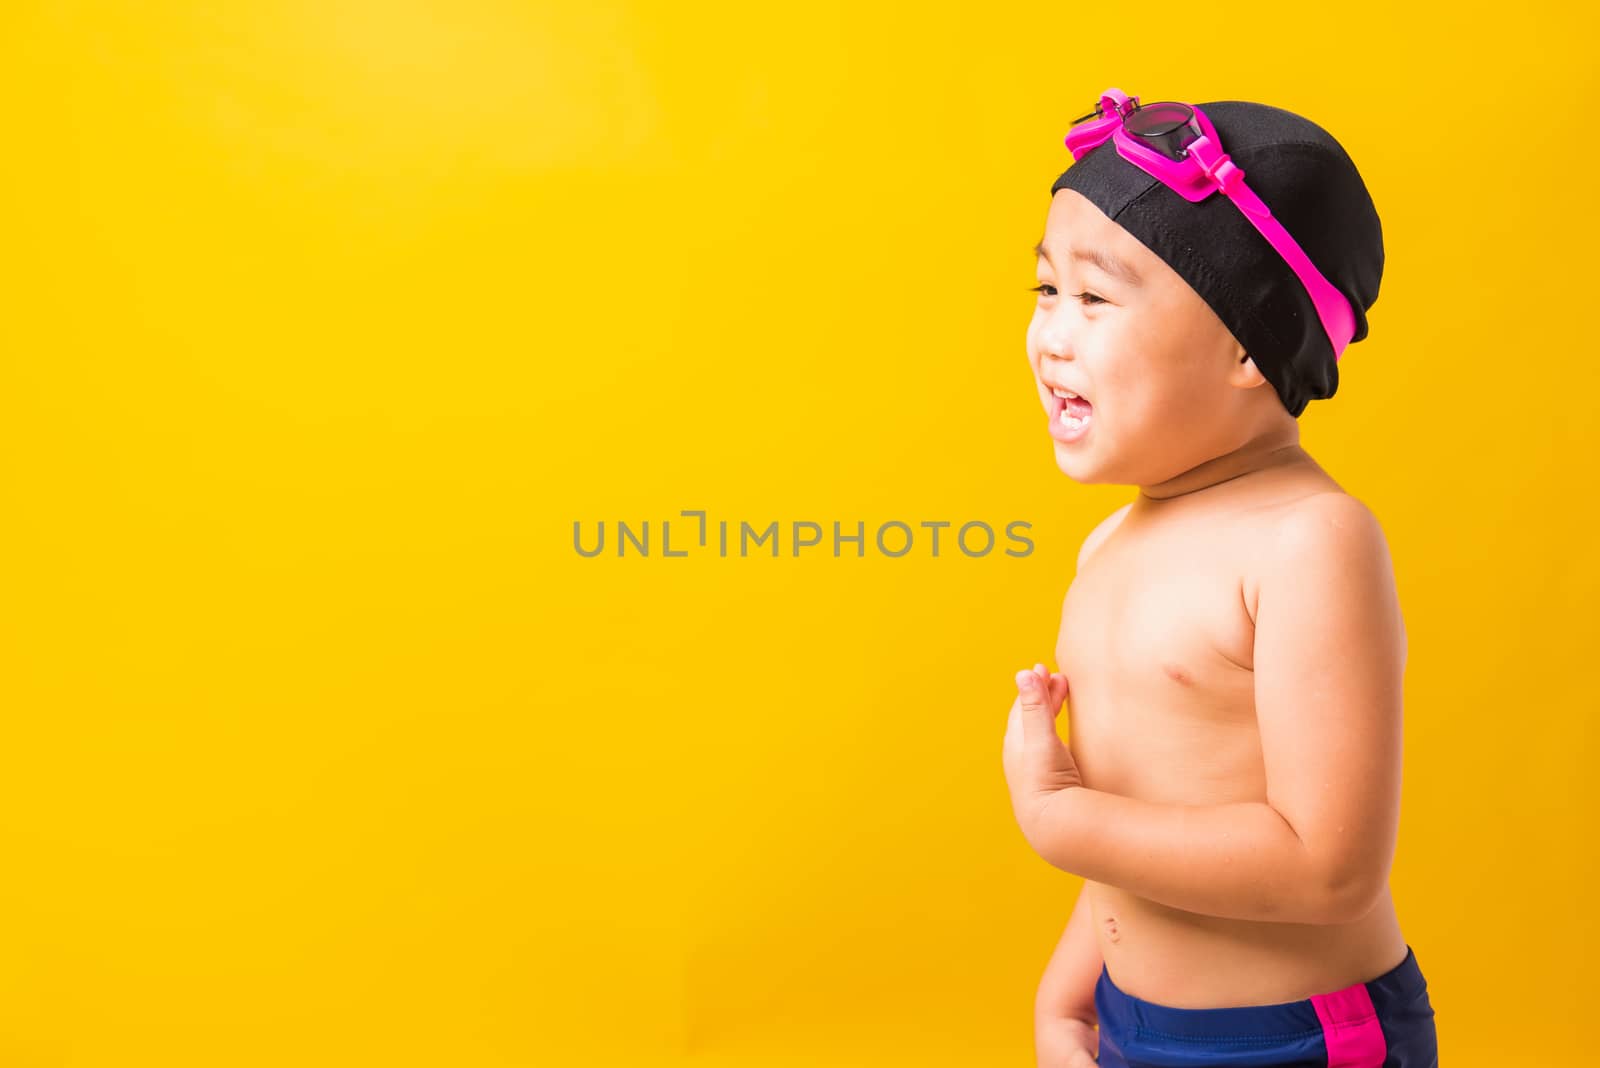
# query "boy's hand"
(1065, 1042)
(1038, 764)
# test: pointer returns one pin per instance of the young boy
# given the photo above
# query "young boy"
(1232, 640)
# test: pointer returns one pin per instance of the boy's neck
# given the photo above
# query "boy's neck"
(1274, 447)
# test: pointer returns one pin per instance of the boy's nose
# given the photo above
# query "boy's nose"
(1055, 339)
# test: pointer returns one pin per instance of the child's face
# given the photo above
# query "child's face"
(1169, 384)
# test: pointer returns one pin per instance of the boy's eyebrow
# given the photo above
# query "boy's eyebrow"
(1100, 258)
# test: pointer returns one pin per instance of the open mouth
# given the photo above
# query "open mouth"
(1069, 416)
(1070, 411)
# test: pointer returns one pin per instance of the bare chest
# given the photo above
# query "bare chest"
(1156, 642)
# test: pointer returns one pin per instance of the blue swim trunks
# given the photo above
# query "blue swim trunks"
(1385, 1022)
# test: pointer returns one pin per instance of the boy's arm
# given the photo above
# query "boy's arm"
(1329, 660)
(1067, 986)
(1063, 1009)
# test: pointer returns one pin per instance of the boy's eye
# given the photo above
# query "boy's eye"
(1092, 299)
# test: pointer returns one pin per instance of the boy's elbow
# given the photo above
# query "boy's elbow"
(1350, 894)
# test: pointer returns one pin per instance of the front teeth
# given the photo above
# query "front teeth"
(1071, 422)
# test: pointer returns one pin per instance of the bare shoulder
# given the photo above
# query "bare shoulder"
(1333, 534)
(1328, 521)
(1100, 533)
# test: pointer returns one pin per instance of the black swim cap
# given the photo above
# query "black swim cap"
(1311, 186)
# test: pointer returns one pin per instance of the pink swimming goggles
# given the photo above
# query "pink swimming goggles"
(1177, 144)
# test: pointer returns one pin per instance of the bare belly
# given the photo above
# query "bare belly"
(1207, 754)
(1190, 961)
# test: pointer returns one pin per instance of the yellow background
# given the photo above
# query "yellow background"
(323, 323)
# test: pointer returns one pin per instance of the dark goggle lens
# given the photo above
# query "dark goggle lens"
(1168, 127)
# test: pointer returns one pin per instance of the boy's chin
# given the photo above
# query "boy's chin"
(1075, 464)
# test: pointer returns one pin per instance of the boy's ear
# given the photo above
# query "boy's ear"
(1245, 374)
